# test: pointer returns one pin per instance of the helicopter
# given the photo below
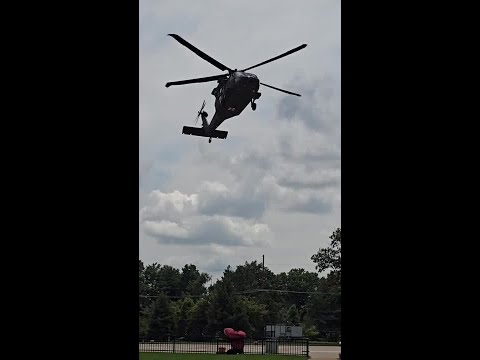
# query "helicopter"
(233, 93)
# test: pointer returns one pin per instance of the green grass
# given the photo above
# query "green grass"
(169, 356)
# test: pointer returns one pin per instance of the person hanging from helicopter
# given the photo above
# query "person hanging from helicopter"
(219, 91)
(216, 90)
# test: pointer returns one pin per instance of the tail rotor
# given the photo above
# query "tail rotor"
(200, 112)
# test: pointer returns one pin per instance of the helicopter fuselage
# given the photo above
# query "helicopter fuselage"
(233, 95)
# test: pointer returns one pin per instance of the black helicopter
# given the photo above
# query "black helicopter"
(233, 92)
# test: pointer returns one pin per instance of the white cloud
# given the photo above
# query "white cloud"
(319, 107)
(201, 218)
(202, 230)
(216, 198)
(304, 177)
(295, 200)
(165, 229)
(168, 206)
(229, 231)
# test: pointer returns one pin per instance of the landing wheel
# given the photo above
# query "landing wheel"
(209, 140)
(254, 106)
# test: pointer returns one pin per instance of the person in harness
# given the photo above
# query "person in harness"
(237, 340)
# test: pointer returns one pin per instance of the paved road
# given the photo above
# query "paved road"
(324, 352)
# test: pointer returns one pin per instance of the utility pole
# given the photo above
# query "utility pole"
(263, 271)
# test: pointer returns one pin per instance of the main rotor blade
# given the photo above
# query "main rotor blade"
(285, 91)
(278, 57)
(200, 53)
(197, 80)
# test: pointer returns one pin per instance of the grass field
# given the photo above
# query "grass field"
(169, 356)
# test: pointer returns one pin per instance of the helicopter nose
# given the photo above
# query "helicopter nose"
(251, 81)
(254, 83)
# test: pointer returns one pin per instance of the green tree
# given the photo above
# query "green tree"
(221, 311)
(324, 310)
(170, 303)
(142, 287)
(300, 282)
(252, 276)
(186, 305)
(311, 332)
(251, 316)
(330, 257)
(192, 282)
(162, 279)
(197, 318)
(151, 277)
(143, 303)
(169, 281)
(161, 318)
(293, 317)
(143, 323)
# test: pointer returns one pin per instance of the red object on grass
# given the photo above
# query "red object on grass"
(237, 339)
(238, 344)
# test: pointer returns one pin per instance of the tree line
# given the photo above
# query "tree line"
(179, 303)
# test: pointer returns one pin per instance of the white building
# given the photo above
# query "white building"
(283, 331)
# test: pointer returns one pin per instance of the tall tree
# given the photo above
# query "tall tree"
(197, 318)
(186, 305)
(169, 281)
(192, 282)
(300, 283)
(324, 310)
(174, 302)
(330, 257)
(221, 312)
(151, 275)
(142, 287)
(252, 276)
(250, 316)
(162, 318)
(143, 322)
(293, 317)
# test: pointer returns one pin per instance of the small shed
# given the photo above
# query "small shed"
(283, 331)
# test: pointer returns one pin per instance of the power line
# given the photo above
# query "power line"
(285, 291)
(248, 292)
(171, 296)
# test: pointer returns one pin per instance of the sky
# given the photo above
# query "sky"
(272, 187)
